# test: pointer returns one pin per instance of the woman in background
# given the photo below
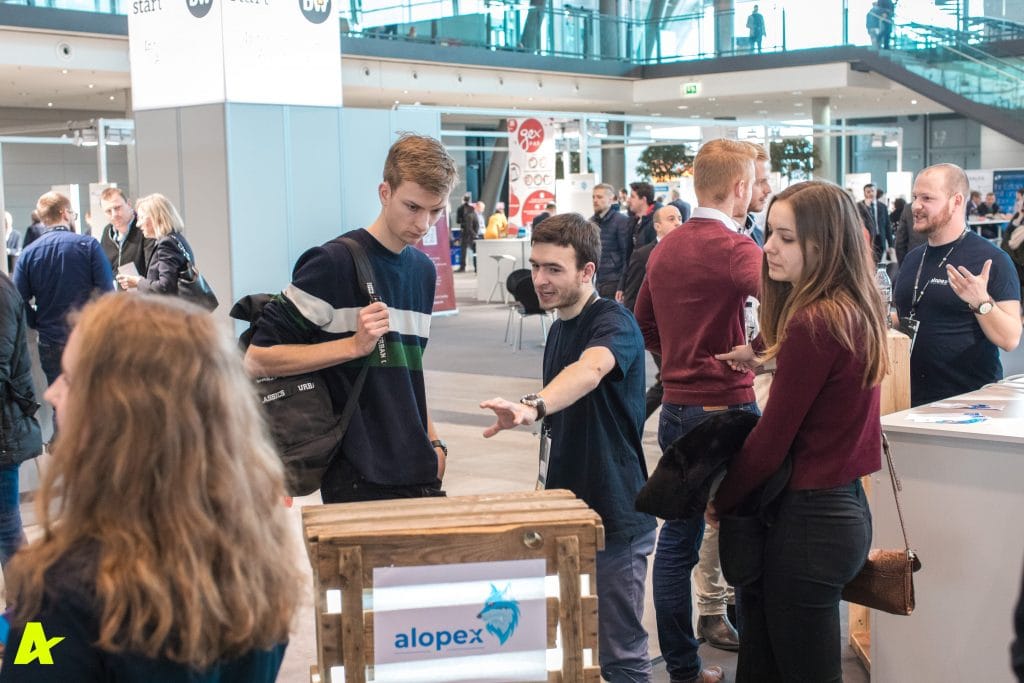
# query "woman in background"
(160, 221)
(823, 322)
(166, 553)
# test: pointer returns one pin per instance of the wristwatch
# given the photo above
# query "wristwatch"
(537, 403)
(984, 307)
(438, 443)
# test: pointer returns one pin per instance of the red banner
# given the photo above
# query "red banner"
(435, 244)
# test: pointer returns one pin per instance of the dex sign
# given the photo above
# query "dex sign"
(531, 165)
(187, 52)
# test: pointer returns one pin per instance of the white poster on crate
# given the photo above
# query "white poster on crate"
(481, 621)
(188, 52)
(531, 168)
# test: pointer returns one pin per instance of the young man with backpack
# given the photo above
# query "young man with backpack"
(323, 322)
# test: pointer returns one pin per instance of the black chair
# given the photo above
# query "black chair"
(526, 304)
(513, 279)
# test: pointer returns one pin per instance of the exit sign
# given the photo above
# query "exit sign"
(691, 89)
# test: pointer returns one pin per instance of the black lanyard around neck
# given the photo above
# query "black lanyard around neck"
(916, 299)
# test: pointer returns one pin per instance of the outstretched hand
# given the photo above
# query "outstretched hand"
(740, 359)
(509, 415)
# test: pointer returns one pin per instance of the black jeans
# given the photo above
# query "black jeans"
(791, 615)
(342, 483)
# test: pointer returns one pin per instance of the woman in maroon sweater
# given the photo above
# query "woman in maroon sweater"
(822, 322)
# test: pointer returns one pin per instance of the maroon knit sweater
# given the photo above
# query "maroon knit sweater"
(690, 307)
(819, 410)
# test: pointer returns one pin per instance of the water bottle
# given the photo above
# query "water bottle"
(885, 291)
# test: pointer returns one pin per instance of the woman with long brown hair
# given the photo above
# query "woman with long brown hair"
(822, 321)
(166, 553)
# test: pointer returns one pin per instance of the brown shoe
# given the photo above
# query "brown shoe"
(712, 674)
(718, 632)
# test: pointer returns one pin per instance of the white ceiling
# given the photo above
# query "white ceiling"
(71, 71)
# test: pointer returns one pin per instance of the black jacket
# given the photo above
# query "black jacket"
(635, 273)
(20, 438)
(165, 265)
(135, 249)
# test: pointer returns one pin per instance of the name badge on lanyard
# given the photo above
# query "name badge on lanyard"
(545, 457)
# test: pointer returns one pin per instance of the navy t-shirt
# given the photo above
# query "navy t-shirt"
(596, 448)
(951, 354)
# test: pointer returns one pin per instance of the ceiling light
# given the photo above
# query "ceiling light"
(798, 92)
(112, 98)
(913, 101)
(798, 104)
(91, 86)
(712, 99)
(758, 101)
(655, 113)
(683, 106)
(648, 126)
(64, 71)
(49, 104)
(762, 112)
(405, 92)
(694, 116)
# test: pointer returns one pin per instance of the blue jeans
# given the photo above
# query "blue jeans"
(818, 543)
(49, 359)
(676, 556)
(11, 535)
(622, 640)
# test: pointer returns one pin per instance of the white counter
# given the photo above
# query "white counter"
(487, 267)
(963, 502)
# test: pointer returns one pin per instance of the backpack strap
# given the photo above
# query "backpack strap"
(365, 276)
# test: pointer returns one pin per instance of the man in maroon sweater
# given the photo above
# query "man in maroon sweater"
(690, 307)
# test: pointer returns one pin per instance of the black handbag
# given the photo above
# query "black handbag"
(192, 286)
(306, 428)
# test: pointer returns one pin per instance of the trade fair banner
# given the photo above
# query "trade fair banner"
(435, 244)
(479, 621)
(188, 52)
(531, 168)
(1005, 184)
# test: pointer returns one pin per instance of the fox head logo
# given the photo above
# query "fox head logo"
(500, 613)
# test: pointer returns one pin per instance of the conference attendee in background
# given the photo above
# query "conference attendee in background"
(58, 273)
(34, 231)
(20, 437)
(615, 235)
(161, 222)
(459, 212)
(759, 193)
(12, 241)
(470, 223)
(548, 212)
(823, 323)
(907, 239)
(122, 239)
(165, 551)
(875, 216)
(958, 297)
(1013, 238)
(755, 24)
(989, 207)
(497, 224)
(684, 206)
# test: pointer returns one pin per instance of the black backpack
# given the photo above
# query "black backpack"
(304, 424)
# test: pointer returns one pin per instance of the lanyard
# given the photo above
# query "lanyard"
(916, 299)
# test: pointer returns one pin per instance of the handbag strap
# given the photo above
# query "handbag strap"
(896, 488)
(184, 252)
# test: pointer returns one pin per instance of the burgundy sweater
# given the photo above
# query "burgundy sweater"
(690, 307)
(819, 410)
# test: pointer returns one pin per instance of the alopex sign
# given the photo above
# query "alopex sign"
(481, 621)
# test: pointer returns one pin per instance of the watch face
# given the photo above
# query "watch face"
(985, 307)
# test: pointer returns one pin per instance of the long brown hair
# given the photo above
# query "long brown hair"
(164, 467)
(837, 282)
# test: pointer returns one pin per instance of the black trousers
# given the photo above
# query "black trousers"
(791, 615)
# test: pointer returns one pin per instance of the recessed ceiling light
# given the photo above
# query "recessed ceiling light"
(112, 98)
(913, 101)
(798, 104)
(683, 106)
(798, 92)
(529, 99)
(655, 113)
(91, 86)
(712, 99)
(648, 126)
(49, 104)
(64, 71)
(405, 92)
(694, 116)
(762, 111)
(758, 101)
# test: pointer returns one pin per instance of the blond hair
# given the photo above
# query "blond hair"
(165, 217)
(177, 488)
(51, 207)
(837, 283)
(719, 165)
(422, 160)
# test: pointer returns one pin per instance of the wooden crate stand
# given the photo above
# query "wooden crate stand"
(346, 542)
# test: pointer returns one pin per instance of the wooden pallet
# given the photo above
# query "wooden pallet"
(346, 542)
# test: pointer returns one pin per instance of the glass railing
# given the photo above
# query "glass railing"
(956, 61)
